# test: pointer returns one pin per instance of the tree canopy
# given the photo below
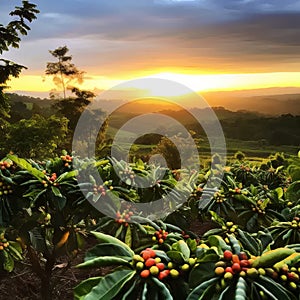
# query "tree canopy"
(10, 37)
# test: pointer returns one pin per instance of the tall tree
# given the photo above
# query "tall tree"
(10, 37)
(63, 71)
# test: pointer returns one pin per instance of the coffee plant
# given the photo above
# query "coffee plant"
(250, 250)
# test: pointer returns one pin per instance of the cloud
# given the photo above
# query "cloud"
(115, 37)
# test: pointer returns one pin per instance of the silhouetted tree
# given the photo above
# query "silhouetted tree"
(10, 37)
(63, 71)
(72, 107)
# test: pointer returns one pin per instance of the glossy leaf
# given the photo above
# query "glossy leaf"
(107, 249)
(104, 261)
(105, 238)
(110, 285)
(85, 287)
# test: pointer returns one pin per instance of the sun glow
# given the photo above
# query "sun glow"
(195, 82)
(214, 82)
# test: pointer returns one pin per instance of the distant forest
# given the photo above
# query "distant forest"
(240, 125)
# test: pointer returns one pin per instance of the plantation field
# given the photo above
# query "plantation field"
(223, 231)
(158, 221)
(252, 149)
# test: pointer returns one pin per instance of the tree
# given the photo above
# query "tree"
(169, 151)
(37, 137)
(72, 107)
(10, 37)
(63, 71)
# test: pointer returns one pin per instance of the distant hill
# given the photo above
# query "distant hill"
(14, 98)
(274, 119)
(265, 101)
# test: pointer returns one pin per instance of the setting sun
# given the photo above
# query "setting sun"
(194, 82)
(213, 82)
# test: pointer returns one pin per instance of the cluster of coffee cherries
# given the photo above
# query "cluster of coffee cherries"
(148, 264)
(160, 236)
(4, 165)
(127, 173)
(102, 189)
(236, 190)
(245, 168)
(288, 276)
(219, 197)
(259, 207)
(124, 217)
(230, 227)
(5, 189)
(197, 192)
(232, 264)
(295, 223)
(52, 178)
(67, 159)
(180, 269)
(3, 242)
(99, 189)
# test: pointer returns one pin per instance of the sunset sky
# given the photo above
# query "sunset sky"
(204, 44)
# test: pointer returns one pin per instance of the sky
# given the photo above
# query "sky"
(204, 44)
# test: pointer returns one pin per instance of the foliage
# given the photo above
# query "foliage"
(51, 222)
(37, 137)
(151, 273)
(10, 37)
(49, 213)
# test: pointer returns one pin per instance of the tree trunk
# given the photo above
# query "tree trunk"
(46, 288)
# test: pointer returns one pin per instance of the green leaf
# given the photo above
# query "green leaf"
(15, 250)
(119, 231)
(129, 291)
(217, 218)
(105, 261)
(128, 237)
(288, 234)
(8, 263)
(144, 293)
(192, 244)
(84, 288)
(56, 191)
(209, 255)
(22, 163)
(67, 175)
(60, 202)
(235, 243)
(200, 289)
(279, 192)
(110, 285)
(213, 231)
(162, 289)
(184, 249)
(201, 273)
(143, 220)
(105, 238)
(272, 288)
(224, 295)
(208, 293)
(176, 256)
(216, 240)
(241, 289)
(107, 249)
(249, 242)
